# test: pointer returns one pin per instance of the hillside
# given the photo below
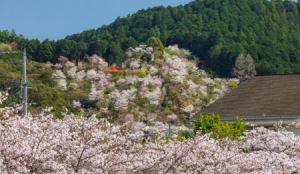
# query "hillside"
(43, 92)
(154, 83)
(216, 31)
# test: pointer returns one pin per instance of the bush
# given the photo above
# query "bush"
(5, 47)
(183, 135)
(219, 130)
(142, 73)
(218, 85)
(229, 130)
(205, 123)
(170, 52)
(232, 84)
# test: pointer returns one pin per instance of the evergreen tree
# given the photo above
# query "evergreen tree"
(216, 31)
(244, 67)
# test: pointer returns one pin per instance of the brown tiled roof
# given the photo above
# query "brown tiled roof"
(262, 96)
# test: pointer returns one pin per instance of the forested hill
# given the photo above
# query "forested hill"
(217, 31)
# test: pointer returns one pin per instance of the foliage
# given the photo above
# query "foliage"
(219, 130)
(229, 130)
(149, 89)
(41, 144)
(141, 73)
(215, 31)
(43, 91)
(206, 123)
(244, 67)
(183, 135)
(232, 84)
(155, 43)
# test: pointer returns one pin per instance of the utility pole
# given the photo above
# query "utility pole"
(24, 85)
(24, 82)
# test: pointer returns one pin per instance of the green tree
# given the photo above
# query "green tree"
(115, 53)
(244, 67)
(157, 45)
(46, 51)
(213, 30)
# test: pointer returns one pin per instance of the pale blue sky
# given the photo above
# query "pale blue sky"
(54, 19)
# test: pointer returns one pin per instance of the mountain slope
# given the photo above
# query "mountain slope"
(216, 31)
(151, 85)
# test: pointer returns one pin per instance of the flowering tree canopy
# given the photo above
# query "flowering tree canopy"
(41, 144)
(148, 84)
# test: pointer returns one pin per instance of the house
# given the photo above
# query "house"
(261, 98)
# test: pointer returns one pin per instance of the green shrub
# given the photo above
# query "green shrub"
(232, 84)
(44, 96)
(183, 135)
(142, 73)
(229, 130)
(116, 78)
(205, 123)
(219, 130)
(170, 52)
(155, 43)
(239, 126)
(218, 85)
(46, 78)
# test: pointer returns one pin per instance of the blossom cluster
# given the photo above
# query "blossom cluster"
(3, 96)
(178, 68)
(147, 85)
(122, 98)
(41, 144)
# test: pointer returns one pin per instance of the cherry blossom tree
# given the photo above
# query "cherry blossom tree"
(42, 144)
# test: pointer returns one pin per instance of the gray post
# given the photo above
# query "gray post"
(24, 85)
(169, 129)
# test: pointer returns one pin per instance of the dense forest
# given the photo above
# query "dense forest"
(217, 31)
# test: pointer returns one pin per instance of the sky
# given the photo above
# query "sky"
(55, 19)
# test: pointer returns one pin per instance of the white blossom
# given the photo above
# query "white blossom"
(76, 104)
(68, 65)
(41, 144)
(207, 80)
(135, 64)
(80, 75)
(172, 117)
(149, 80)
(154, 96)
(153, 70)
(179, 68)
(103, 80)
(122, 98)
(91, 74)
(188, 109)
(94, 93)
(174, 48)
(62, 83)
(58, 74)
(3, 97)
(72, 72)
(131, 79)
